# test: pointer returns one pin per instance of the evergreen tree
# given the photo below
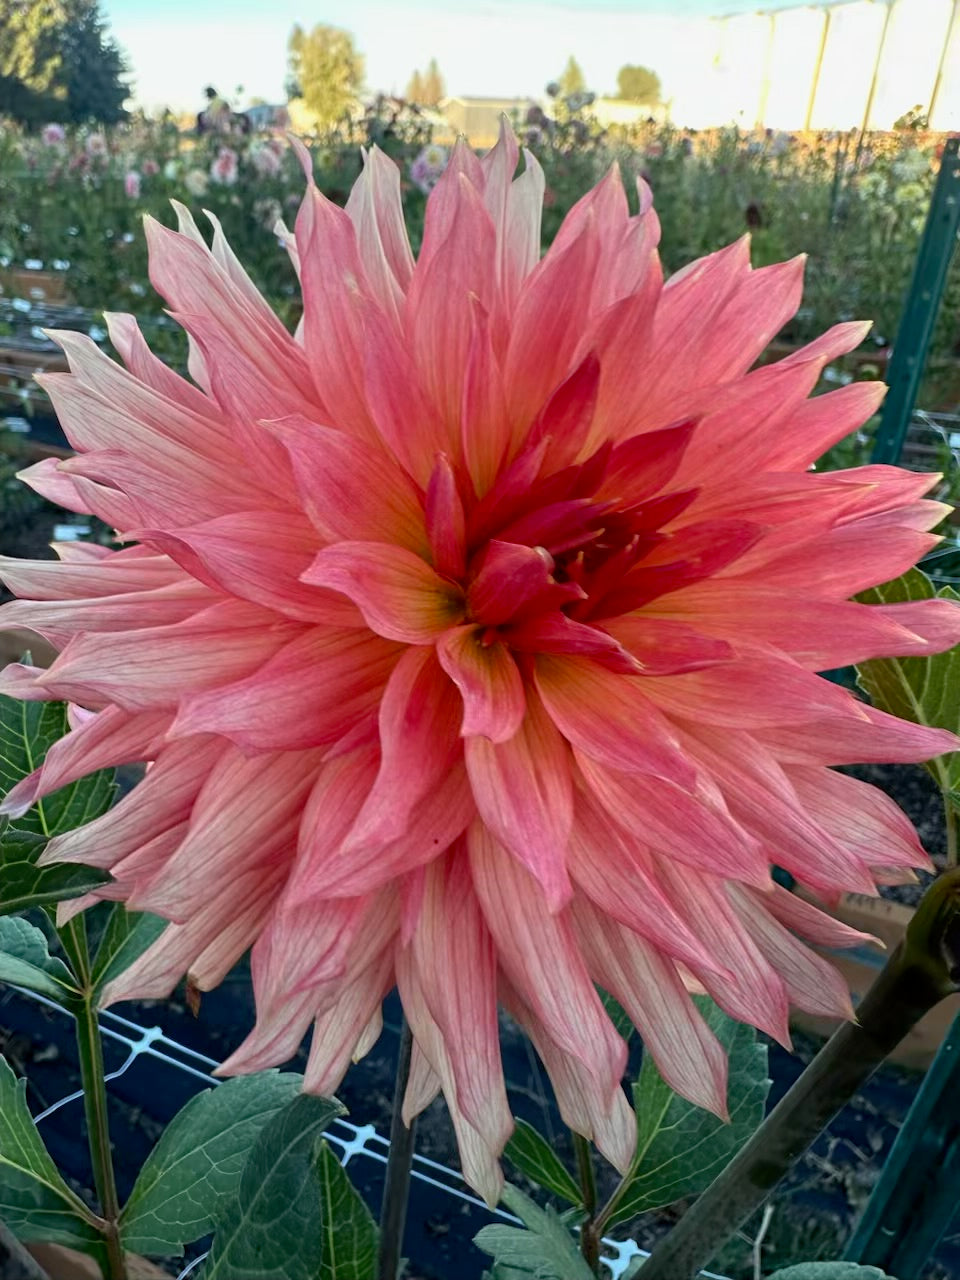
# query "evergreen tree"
(93, 66)
(415, 88)
(58, 63)
(31, 60)
(434, 88)
(572, 80)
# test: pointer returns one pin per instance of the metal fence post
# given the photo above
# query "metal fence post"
(916, 1198)
(920, 311)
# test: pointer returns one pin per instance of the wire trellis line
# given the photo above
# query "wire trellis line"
(353, 1142)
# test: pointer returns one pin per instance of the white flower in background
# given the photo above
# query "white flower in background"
(196, 182)
(96, 145)
(266, 158)
(171, 169)
(267, 212)
(911, 165)
(53, 135)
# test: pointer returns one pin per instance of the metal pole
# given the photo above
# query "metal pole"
(915, 1200)
(923, 970)
(944, 52)
(765, 81)
(920, 310)
(817, 68)
(865, 125)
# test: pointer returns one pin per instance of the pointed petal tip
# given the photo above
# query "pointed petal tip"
(303, 155)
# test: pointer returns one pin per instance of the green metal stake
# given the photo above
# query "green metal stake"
(915, 1200)
(923, 303)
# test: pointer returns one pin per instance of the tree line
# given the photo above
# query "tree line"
(58, 63)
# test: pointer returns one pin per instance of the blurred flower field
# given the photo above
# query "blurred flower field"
(71, 204)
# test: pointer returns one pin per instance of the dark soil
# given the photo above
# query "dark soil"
(814, 1210)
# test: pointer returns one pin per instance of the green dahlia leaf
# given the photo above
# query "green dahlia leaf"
(195, 1169)
(35, 1202)
(546, 1249)
(272, 1227)
(24, 885)
(350, 1235)
(126, 935)
(924, 690)
(534, 1156)
(26, 962)
(27, 731)
(680, 1147)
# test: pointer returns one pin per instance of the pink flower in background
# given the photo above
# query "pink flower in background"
(427, 169)
(131, 184)
(53, 135)
(223, 171)
(472, 634)
(266, 159)
(150, 168)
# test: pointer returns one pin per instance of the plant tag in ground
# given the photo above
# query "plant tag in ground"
(830, 1271)
(350, 1235)
(680, 1147)
(546, 1249)
(534, 1156)
(35, 1202)
(196, 1166)
(26, 962)
(272, 1227)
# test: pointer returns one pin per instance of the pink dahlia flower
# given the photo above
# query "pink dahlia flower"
(472, 634)
(223, 170)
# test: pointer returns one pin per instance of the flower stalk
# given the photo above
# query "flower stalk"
(93, 1080)
(396, 1188)
(923, 969)
(589, 1235)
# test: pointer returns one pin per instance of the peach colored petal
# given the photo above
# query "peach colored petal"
(473, 626)
(399, 595)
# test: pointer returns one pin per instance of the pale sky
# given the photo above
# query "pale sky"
(507, 48)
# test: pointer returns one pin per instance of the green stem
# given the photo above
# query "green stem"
(396, 1188)
(950, 818)
(92, 1078)
(923, 969)
(589, 1234)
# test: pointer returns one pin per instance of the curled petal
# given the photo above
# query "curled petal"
(483, 670)
(399, 595)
